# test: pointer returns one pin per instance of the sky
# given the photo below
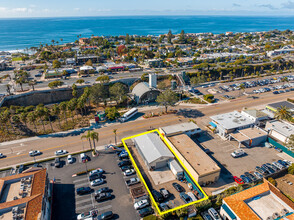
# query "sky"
(71, 8)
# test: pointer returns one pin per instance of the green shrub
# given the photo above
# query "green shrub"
(272, 181)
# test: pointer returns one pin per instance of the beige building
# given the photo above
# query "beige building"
(197, 162)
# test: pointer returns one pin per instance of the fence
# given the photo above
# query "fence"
(278, 145)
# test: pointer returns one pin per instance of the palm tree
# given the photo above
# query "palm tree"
(94, 137)
(47, 113)
(24, 118)
(242, 87)
(72, 106)
(283, 113)
(88, 136)
(56, 111)
(32, 83)
(114, 132)
(40, 112)
(63, 108)
(32, 119)
(3, 120)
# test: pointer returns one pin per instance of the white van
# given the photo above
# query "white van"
(213, 213)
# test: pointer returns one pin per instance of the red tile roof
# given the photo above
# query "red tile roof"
(242, 210)
(34, 200)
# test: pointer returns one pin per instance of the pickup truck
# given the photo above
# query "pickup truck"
(132, 181)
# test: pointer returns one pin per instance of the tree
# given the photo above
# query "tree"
(56, 112)
(118, 90)
(98, 93)
(114, 132)
(121, 49)
(283, 113)
(63, 108)
(169, 36)
(87, 136)
(242, 87)
(32, 83)
(272, 181)
(55, 84)
(111, 113)
(196, 80)
(40, 112)
(74, 90)
(94, 137)
(182, 38)
(127, 39)
(80, 81)
(56, 64)
(32, 119)
(167, 98)
(290, 143)
(89, 63)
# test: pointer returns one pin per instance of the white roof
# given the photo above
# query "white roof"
(182, 127)
(232, 120)
(86, 68)
(152, 147)
(282, 127)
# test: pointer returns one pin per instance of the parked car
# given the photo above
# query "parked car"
(105, 215)
(157, 196)
(206, 216)
(165, 193)
(124, 168)
(124, 163)
(97, 182)
(34, 153)
(273, 167)
(245, 179)
(145, 212)
(21, 168)
(270, 170)
(282, 163)
(70, 159)
(97, 171)
(185, 197)
(141, 204)
(261, 170)
(238, 153)
(83, 190)
(132, 181)
(87, 215)
(277, 165)
(278, 149)
(2, 155)
(102, 197)
(258, 175)
(60, 152)
(102, 190)
(163, 206)
(57, 162)
(129, 172)
(251, 176)
(178, 187)
(238, 180)
(84, 157)
(95, 176)
(213, 213)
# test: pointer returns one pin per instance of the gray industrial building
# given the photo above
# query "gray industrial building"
(153, 151)
(143, 93)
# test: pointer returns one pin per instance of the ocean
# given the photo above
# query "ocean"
(16, 34)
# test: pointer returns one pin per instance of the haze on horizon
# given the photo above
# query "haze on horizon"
(71, 8)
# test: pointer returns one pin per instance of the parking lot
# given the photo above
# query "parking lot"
(221, 153)
(67, 204)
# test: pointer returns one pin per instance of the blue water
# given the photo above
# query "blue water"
(27, 32)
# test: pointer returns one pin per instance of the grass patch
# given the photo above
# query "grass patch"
(16, 59)
(195, 101)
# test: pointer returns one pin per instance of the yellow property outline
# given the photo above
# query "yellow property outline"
(143, 181)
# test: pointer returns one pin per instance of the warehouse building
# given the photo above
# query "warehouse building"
(143, 93)
(280, 130)
(189, 128)
(153, 151)
(197, 162)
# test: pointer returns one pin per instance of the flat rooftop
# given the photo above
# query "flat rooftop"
(197, 158)
(276, 105)
(232, 120)
(266, 204)
(179, 128)
(253, 132)
(282, 127)
(255, 113)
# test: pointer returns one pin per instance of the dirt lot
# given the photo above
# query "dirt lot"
(174, 200)
(283, 183)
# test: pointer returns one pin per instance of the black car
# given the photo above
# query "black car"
(187, 199)
(102, 190)
(57, 162)
(270, 170)
(95, 176)
(83, 190)
(250, 176)
(157, 196)
(124, 163)
(283, 163)
(105, 215)
(146, 211)
(102, 196)
(124, 168)
(261, 170)
(178, 187)
(21, 168)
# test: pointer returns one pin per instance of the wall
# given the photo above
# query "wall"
(38, 97)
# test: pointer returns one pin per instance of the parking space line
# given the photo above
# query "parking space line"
(80, 180)
(85, 207)
(83, 201)
(105, 207)
(81, 184)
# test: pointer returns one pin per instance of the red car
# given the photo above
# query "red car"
(238, 180)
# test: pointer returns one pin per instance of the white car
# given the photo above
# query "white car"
(60, 152)
(97, 182)
(238, 153)
(1, 155)
(141, 204)
(129, 172)
(34, 153)
(87, 215)
(70, 159)
(98, 171)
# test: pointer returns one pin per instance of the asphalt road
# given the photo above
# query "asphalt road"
(17, 152)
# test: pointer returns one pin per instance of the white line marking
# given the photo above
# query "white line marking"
(83, 201)
(79, 180)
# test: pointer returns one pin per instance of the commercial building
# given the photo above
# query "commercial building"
(153, 151)
(230, 122)
(258, 116)
(154, 63)
(197, 162)
(249, 136)
(144, 94)
(189, 128)
(26, 196)
(273, 107)
(263, 201)
(279, 130)
(84, 58)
